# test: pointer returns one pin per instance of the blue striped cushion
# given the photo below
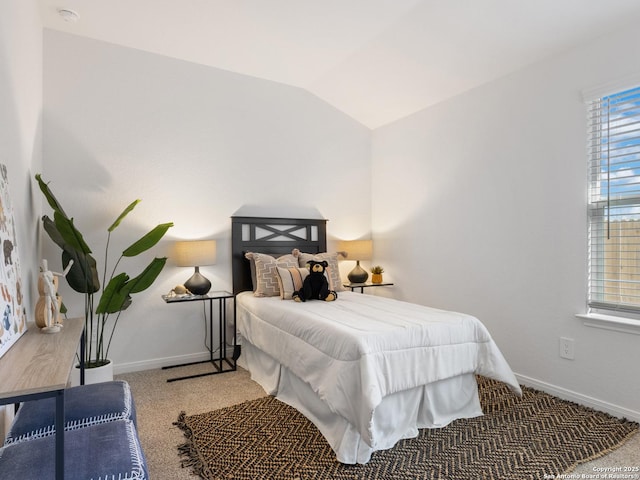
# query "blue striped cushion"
(106, 451)
(83, 406)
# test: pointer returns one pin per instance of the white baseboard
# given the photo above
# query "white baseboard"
(596, 404)
(159, 363)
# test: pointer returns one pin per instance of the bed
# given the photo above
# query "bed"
(368, 371)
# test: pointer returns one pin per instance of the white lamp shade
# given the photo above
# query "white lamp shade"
(194, 253)
(357, 249)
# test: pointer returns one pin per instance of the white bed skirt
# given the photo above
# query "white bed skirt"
(398, 416)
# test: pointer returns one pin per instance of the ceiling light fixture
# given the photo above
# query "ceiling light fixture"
(68, 15)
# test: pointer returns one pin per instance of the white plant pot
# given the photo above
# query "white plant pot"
(93, 375)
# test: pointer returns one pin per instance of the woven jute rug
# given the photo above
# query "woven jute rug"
(534, 437)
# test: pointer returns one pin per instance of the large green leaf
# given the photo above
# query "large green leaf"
(124, 213)
(72, 237)
(51, 229)
(148, 276)
(148, 241)
(115, 296)
(51, 199)
(83, 276)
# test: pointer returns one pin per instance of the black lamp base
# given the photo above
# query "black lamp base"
(197, 284)
(358, 274)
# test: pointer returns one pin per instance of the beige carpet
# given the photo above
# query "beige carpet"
(159, 404)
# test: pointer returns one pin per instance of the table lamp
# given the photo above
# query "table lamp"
(357, 250)
(195, 253)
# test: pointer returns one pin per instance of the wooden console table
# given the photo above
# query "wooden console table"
(38, 365)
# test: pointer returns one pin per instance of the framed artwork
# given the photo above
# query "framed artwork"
(13, 321)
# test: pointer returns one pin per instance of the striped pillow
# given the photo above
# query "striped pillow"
(290, 280)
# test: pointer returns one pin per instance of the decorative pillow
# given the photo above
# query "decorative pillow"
(265, 281)
(333, 273)
(290, 280)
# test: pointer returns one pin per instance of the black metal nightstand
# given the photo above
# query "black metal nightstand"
(362, 286)
(218, 363)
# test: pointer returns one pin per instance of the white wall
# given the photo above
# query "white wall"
(196, 144)
(486, 191)
(21, 128)
(483, 210)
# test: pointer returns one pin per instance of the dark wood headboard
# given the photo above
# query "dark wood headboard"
(273, 236)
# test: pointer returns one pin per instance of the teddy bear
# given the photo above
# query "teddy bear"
(315, 286)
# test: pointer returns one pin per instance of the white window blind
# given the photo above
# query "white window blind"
(614, 201)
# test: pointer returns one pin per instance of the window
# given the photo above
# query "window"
(614, 201)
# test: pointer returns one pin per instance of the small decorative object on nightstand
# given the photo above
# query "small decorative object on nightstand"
(376, 274)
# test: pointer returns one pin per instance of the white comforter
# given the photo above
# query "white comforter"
(355, 351)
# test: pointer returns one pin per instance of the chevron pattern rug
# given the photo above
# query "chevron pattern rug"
(533, 437)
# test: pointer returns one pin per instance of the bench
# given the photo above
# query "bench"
(101, 439)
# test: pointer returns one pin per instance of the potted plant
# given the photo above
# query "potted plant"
(83, 277)
(376, 274)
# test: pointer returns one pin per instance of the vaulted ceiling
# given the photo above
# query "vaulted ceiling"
(375, 60)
